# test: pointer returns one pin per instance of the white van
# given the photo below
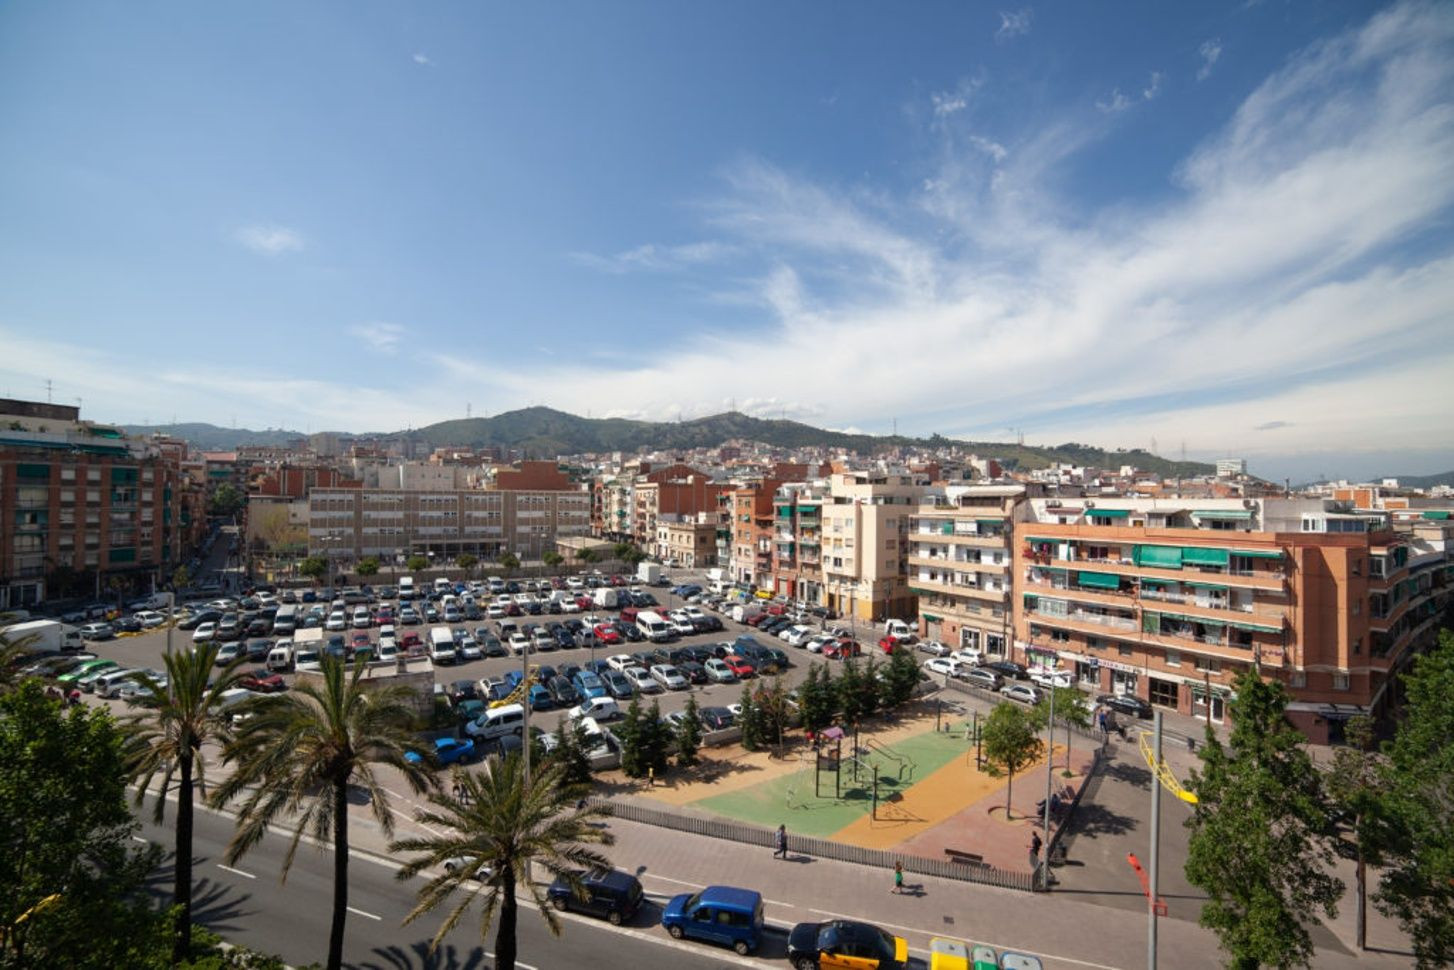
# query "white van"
(110, 683)
(306, 656)
(441, 645)
(280, 657)
(743, 612)
(604, 598)
(497, 722)
(898, 628)
(442, 585)
(653, 627)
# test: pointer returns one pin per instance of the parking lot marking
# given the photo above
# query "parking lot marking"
(360, 912)
(137, 838)
(236, 872)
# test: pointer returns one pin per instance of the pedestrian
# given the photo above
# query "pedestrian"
(780, 840)
(1035, 844)
(898, 877)
(1101, 720)
(651, 777)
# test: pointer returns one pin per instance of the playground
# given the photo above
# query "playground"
(912, 785)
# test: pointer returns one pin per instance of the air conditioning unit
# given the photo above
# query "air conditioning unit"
(1090, 505)
(1053, 504)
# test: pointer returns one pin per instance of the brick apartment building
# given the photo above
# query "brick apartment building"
(1171, 599)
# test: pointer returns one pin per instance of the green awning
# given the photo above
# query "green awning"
(1228, 514)
(1051, 541)
(808, 509)
(1099, 580)
(1157, 582)
(1258, 553)
(1108, 513)
(1208, 586)
(1439, 514)
(1202, 556)
(932, 619)
(1159, 557)
(1002, 521)
(1256, 627)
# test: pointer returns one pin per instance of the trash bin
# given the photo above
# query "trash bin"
(1191, 744)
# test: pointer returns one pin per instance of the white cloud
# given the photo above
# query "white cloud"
(1014, 23)
(1114, 103)
(1209, 52)
(421, 59)
(270, 240)
(1153, 86)
(383, 337)
(650, 256)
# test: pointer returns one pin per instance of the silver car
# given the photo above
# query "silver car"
(669, 677)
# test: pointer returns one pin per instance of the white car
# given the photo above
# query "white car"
(817, 644)
(336, 622)
(1023, 693)
(495, 611)
(387, 652)
(227, 653)
(718, 671)
(150, 619)
(568, 605)
(620, 662)
(933, 647)
(468, 647)
(642, 681)
(600, 708)
(1046, 677)
(204, 632)
(945, 666)
(669, 677)
(361, 619)
(519, 643)
(681, 624)
(798, 636)
(968, 655)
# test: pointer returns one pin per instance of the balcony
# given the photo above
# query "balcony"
(1082, 616)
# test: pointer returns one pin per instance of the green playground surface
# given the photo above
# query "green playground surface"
(768, 803)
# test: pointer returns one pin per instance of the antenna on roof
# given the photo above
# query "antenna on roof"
(47, 390)
(467, 408)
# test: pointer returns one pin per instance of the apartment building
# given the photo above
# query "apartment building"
(750, 522)
(797, 541)
(682, 496)
(960, 564)
(349, 524)
(865, 543)
(1171, 599)
(84, 509)
(692, 542)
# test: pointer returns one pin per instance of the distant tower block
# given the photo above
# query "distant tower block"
(1231, 467)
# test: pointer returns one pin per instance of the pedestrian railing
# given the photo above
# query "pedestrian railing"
(949, 868)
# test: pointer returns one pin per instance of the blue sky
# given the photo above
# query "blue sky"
(1218, 227)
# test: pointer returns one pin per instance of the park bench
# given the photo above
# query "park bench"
(968, 858)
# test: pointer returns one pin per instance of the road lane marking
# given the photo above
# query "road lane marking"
(235, 872)
(362, 913)
(137, 838)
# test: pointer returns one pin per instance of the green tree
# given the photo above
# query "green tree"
(849, 689)
(313, 567)
(633, 556)
(870, 688)
(815, 698)
(1418, 879)
(1355, 781)
(165, 743)
(1256, 846)
(509, 562)
(1070, 709)
(633, 761)
(367, 567)
(467, 562)
(552, 558)
(504, 826)
(656, 739)
(72, 883)
(181, 577)
(621, 550)
(750, 721)
(416, 563)
(774, 712)
(227, 501)
(570, 753)
(689, 735)
(586, 555)
(1010, 744)
(902, 676)
(297, 754)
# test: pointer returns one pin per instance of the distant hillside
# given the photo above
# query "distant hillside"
(209, 437)
(546, 433)
(1424, 481)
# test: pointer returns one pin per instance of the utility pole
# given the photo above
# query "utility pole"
(1049, 782)
(1155, 847)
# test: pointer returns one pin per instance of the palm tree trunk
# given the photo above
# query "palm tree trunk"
(505, 945)
(182, 885)
(340, 874)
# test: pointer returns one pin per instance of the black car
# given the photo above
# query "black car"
(260, 627)
(1008, 669)
(463, 690)
(849, 942)
(258, 650)
(544, 674)
(632, 633)
(692, 671)
(563, 692)
(491, 646)
(126, 624)
(716, 718)
(198, 618)
(1125, 704)
(564, 639)
(612, 895)
(569, 670)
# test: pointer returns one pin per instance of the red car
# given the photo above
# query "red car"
(842, 649)
(607, 633)
(618, 581)
(360, 641)
(739, 665)
(888, 643)
(585, 602)
(411, 639)
(263, 681)
(512, 609)
(756, 619)
(776, 609)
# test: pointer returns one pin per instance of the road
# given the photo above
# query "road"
(248, 905)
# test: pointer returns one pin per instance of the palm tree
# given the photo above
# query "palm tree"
(296, 756)
(167, 739)
(502, 825)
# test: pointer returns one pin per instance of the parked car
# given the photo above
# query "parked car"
(669, 677)
(945, 666)
(609, 894)
(845, 943)
(447, 751)
(642, 681)
(1051, 678)
(97, 631)
(724, 915)
(983, 677)
(600, 708)
(933, 648)
(262, 681)
(1125, 704)
(562, 692)
(719, 672)
(1023, 693)
(1008, 669)
(617, 685)
(716, 718)
(587, 684)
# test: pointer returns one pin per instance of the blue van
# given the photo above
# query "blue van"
(718, 914)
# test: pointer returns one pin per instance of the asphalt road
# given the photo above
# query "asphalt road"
(248, 905)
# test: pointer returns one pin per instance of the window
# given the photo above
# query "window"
(1122, 650)
(1357, 607)
(1059, 636)
(1208, 665)
(1357, 645)
(1173, 658)
(1358, 565)
(1298, 678)
(93, 475)
(1340, 681)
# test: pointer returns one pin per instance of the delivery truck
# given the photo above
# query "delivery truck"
(648, 572)
(44, 636)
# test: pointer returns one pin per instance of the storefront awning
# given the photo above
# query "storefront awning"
(932, 619)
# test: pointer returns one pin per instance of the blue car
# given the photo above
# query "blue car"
(447, 751)
(588, 685)
(540, 699)
(724, 915)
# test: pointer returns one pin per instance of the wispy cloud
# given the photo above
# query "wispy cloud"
(269, 239)
(1014, 23)
(421, 59)
(1153, 86)
(379, 336)
(1209, 52)
(1113, 103)
(650, 256)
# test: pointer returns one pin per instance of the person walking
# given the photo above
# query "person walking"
(898, 877)
(1035, 845)
(780, 840)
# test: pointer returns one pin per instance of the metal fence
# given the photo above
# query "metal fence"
(820, 848)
